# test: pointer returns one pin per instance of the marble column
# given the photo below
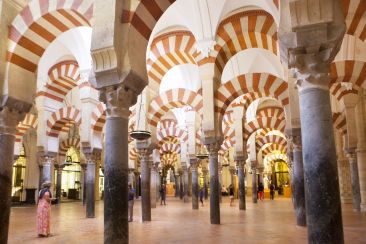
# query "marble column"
(214, 183)
(205, 187)
(195, 186)
(59, 168)
(145, 184)
(46, 169)
(9, 119)
(356, 198)
(298, 188)
(90, 185)
(83, 172)
(153, 185)
(323, 210)
(253, 166)
(118, 100)
(241, 178)
(220, 181)
(361, 148)
(181, 185)
(137, 183)
(185, 182)
(176, 180)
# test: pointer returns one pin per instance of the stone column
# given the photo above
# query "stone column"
(297, 177)
(356, 198)
(118, 99)
(90, 185)
(176, 179)
(185, 180)
(46, 169)
(9, 119)
(137, 183)
(232, 171)
(181, 185)
(213, 150)
(153, 185)
(241, 178)
(59, 168)
(195, 186)
(83, 172)
(344, 172)
(205, 187)
(361, 149)
(253, 166)
(145, 184)
(220, 181)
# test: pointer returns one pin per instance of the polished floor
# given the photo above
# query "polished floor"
(265, 222)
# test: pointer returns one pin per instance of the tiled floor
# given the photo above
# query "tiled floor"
(265, 222)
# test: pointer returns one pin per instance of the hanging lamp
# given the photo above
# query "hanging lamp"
(140, 135)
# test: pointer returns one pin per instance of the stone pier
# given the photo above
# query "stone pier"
(195, 185)
(214, 183)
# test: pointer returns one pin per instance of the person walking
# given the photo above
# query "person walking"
(202, 195)
(131, 198)
(162, 194)
(44, 210)
(272, 191)
(231, 194)
(260, 191)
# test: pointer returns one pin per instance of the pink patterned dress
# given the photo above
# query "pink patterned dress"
(44, 215)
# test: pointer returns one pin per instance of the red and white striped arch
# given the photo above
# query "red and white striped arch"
(167, 51)
(63, 77)
(66, 144)
(227, 144)
(276, 139)
(260, 84)
(276, 112)
(133, 154)
(172, 132)
(170, 99)
(340, 122)
(30, 121)
(168, 159)
(249, 29)
(271, 147)
(170, 148)
(355, 13)
(60, 120)
(167, 123)
(169, 139)
(98, 118)
(271, 123)
(39, 24)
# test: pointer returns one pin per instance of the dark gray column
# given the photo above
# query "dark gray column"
(153, 185)
(356, 197)
(59, 168)
(297, 177)
(176, 180)
(241, 179)
(254, 181)
(220, 181)
(195, 187)
(181, 185)
(90, 188)
(323, 210)
(145, 184)
(6, 171)
(137, 183)
(205, 187)
(214, 183)
(83, 172)
(185, 183)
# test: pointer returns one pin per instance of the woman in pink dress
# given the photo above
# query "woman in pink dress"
(44, 210)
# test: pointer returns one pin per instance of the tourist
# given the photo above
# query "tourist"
(202, 194)
(272, 191)
(224, 191)
(44, 210)
(231, 194)
(131, 197)
(162, 194)
(260, 191)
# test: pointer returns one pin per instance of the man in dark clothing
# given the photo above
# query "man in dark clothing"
(162, 194)
(272, 191)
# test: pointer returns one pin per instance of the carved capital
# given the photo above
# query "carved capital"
(144, 154)
(9, 119)
(232, 170)
(118, 100)
(293, 140)
(213, 149)
(240, 164)
(253, 165)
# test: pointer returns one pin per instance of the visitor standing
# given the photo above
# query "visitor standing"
(231, 194)
(44, 210)
(131, 198)
(272, 191)
(162, 194)
(202, 194)
(260, 191)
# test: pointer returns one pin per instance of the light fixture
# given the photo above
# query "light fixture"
(140, 135)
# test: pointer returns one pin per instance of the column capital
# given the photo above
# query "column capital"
(253, 165)
(240, 163)
(294, 142)
(9, 119)
(213, 149)
(118, 99)
(232, 170)
(144, 153)
(194, 164)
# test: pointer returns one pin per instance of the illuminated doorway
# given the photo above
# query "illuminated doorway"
(19, 177)
(280, 175)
